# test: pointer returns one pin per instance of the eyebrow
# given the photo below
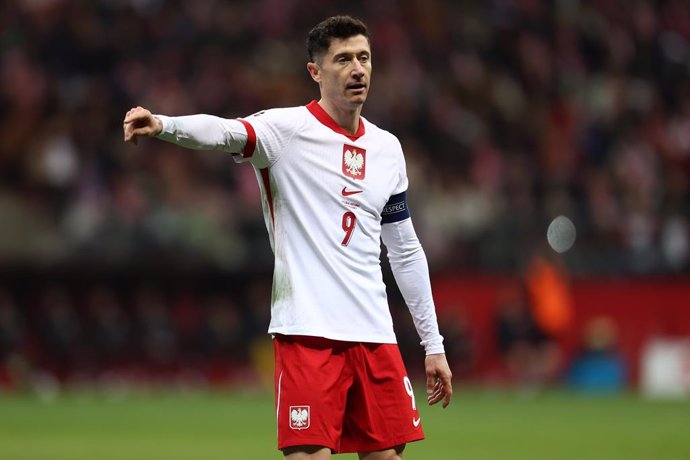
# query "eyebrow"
(350, 53)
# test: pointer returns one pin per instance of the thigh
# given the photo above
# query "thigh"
(381, 411)
(307, 453)
(311, 385)
(394, 453)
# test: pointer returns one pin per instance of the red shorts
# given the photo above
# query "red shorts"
(347, 396)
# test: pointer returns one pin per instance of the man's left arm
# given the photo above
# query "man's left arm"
(411, 271)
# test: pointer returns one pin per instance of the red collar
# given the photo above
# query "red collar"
(326, 120)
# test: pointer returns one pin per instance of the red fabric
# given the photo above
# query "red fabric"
(355, 395)
(250, 146)
(328, 121)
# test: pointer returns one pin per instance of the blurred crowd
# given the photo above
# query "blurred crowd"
(510, 112)
(121, 332)
(133, 332)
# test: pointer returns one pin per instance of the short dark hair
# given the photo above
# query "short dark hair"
(342, 27)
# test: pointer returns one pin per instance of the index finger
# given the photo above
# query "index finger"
(447, 390)
(130, 117)
(133, 113)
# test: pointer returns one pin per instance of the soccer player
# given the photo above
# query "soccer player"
(333, 186)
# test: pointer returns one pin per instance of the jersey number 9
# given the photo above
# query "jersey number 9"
(349, 222)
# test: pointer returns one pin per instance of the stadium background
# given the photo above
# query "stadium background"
(138, 267)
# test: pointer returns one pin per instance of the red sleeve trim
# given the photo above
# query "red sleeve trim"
(251, 139)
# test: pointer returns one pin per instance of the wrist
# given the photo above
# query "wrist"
(157, 126)
(434, 346)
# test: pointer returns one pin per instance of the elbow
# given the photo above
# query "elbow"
(407, 255)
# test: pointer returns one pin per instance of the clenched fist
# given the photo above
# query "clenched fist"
(140, 122)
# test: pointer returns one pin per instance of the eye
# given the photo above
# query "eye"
(364, 58)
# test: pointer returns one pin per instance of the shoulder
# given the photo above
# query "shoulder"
(283, 117)
(386, 138)
(281, 112)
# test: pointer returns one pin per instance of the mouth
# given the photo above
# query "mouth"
(357, 86)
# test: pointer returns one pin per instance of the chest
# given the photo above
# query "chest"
(337, 171)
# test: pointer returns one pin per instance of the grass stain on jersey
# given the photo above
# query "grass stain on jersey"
(282, 287)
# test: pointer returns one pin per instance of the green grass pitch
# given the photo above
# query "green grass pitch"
(478, 425)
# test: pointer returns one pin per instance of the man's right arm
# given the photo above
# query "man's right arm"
(199, 132)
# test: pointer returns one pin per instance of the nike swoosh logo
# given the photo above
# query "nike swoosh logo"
(346, 192)
(415, 422)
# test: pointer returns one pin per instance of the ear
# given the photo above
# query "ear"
(314, 71)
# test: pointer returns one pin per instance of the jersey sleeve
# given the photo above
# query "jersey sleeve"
(203, 132)
(411, 271)
(396, 208)
(402, 169)
(268, 133)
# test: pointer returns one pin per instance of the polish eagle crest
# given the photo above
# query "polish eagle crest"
(299, 417)
(354, 162)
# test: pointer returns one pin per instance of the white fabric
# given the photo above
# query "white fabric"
(203, 132)
(411, 271)
(321, 286)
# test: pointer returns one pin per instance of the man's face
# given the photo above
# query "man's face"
(344, 72)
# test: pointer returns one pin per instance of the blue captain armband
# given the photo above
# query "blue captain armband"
(396, 209)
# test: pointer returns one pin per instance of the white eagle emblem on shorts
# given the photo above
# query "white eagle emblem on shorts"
(354, 161)
(299, 417)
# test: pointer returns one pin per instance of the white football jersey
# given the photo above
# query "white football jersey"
(324, 192)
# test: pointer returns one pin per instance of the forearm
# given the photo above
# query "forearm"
(411, 271)
(203, 132)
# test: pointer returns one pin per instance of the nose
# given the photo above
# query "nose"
(358, 69)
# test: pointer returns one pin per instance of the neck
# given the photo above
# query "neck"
(348, 119)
